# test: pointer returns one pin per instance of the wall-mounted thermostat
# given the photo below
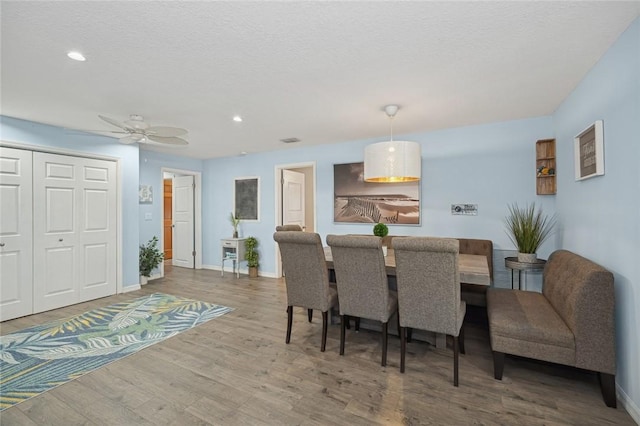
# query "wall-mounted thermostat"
(465, 209)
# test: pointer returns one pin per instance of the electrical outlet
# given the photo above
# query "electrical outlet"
(464, 209)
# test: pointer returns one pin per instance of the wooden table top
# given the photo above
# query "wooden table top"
(473, 269)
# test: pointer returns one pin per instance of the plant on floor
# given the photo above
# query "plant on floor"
(235, 221)
(528, 228)
(150, 257)
(251, 255)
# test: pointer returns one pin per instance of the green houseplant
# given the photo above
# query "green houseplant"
(150, 258)
(251, 255)
(381, 230)
(528, 228)
(235, 221)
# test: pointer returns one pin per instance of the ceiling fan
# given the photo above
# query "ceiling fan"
(139, 131)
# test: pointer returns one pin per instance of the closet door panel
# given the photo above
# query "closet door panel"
(16, 238)
(98, 230)
(57, 202)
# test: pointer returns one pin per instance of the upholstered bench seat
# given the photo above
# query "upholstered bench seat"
(525, 323)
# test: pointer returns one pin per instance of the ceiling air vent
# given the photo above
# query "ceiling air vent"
(290, 140)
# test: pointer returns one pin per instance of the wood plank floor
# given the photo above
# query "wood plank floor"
(237, 370)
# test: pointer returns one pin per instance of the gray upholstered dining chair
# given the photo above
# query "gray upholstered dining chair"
(361, 278)
(292, 227)
(307, 278)
(429, 291)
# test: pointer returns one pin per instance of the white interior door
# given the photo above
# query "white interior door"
(183, 223)
(293, 209)
(16, 239)
(74, 223)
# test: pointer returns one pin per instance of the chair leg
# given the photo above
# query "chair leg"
(289, 321)
(348, 322)
(461, 335)
(384, 343)
(325, 320)
(409, 334)
(403, 347)
(310, 314)
(357, 323)
(398, 321)
(343, 319)
(498, 365)
(608, 389)
(456, 350)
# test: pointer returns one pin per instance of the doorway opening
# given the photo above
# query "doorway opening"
(295, 199)
(181, 219)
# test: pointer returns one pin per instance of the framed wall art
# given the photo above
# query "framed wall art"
(246, 198)
(588, 149)
(145, 194)
(357, 201)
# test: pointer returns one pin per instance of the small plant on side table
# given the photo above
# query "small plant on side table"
(235, 221)
(150, 258)
(528, 228)
(251, 255)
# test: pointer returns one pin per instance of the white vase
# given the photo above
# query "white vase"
(527, 257)
(143, 280)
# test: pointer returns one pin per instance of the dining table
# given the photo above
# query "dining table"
(473, 269)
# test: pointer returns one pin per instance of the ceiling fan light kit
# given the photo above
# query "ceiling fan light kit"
(392, 161)
(139, 131)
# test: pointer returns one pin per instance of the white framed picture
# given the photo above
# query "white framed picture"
(588, 148)
(145, 194)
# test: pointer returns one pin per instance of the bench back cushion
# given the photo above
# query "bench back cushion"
(582, 293)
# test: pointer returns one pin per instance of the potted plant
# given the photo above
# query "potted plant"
(528, 228)
(251, 255)
(235, 221)
(150, 258)
(381, 230)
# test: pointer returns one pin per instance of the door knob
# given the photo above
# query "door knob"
(1, 244)
(60, 240)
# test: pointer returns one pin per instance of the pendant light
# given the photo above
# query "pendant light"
(392, 161)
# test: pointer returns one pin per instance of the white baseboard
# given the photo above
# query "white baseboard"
(244, 271)
(628, 404)
(130, 288)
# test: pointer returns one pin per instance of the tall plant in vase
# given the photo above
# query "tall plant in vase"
(528, 228)
(150, 258)
(235, 221)
(251, 255)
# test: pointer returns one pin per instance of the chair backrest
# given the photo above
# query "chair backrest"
(428, 283)
(307, 279)
(361, 275)
(292, 227)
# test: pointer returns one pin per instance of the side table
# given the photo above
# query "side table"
(513, 264)
(232, 249)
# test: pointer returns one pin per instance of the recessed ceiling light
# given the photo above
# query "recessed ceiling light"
(76, 56)
(237, 118)
(243, 153)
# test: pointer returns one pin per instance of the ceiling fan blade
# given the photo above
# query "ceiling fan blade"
(165, 132)
(171, 140)
(114, 122)
(128, 140)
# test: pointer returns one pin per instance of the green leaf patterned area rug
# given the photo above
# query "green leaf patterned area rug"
(40, 358)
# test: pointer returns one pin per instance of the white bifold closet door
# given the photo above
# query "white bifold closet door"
(74, 230)
(16, 277)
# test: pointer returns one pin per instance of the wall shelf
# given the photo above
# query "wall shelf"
(546, 167)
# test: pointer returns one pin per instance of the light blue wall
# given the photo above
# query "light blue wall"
(27, 132)
(601, 215)
(491, 165)
(151, 164)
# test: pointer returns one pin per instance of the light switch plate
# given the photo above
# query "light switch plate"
(464, 209)
(148, 216)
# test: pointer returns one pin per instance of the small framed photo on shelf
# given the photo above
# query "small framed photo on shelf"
(588, 148)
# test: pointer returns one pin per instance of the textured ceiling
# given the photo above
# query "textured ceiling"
(319, 71)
